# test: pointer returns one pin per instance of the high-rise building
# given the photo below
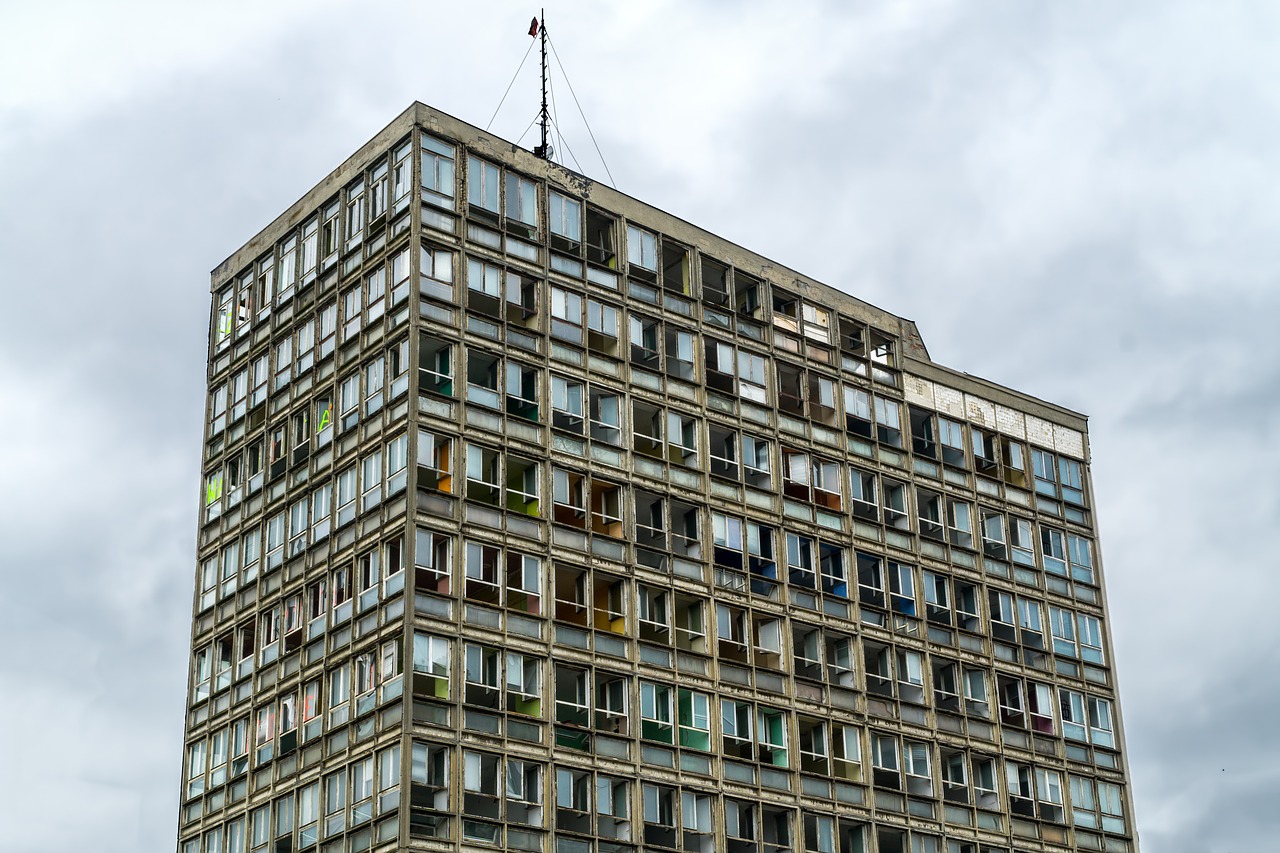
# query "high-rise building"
(535, 518)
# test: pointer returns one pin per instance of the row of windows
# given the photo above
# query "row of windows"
(656, 520)
(519, 581)
(344, 799)
(319, 241)
(487, 789)
(380, 474)
(765, 557)
(761, 640)
(314, 246)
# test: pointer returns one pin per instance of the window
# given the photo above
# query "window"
(371, 481)
(1042, 463)
(695, 719)
(375, 295)
(1002, 616)
(1080, 551)
(438, 172)
(756, 464)
(1072, 480)
(484, 278)
(374, 381)
(1111, 803)
(1053, 550)
(565, 218)
(602, 325)
(288, 268)
(960, 523)
(1072, 707)
(196, 757)
(857, 411)
(1084, 803)
(736, 371)
(432, 560)
(888, 422)
(1029, 616)
(567, 411)
(435, 365)
(642, 248)
(613, 797)
(695, 814)
(482, 184)
(915, 761)
(435, 273)
(522, 201)
(951, 440)
(1090, 632)
(431, 658)
(355, 214)
(655, 712)
(1040, 706)
(601, 242)
(1062, 625)
(1101, 727)
(566, 315)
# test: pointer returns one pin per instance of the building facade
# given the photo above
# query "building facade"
(535, 518)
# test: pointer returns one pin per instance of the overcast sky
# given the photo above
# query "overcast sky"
(1075, 199)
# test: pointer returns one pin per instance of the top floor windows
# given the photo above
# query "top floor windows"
(378, 193)
(437, 172)
(642, 249)
(522, 204)
(402, 175)
(355, 214)
(602, 241)
(565, 218)
(483, 184)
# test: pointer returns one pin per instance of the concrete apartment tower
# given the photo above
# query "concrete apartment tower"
(535, 518)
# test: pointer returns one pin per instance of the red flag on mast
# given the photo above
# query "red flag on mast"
(533, 28)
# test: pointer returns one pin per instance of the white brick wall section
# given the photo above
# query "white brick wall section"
(949, 400)
(1068, 441)
(1040, 432)
(981, 412)
(917, 390)
(1010, 422)
(990, 415)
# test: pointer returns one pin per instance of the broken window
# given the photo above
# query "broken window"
(675, 268)
(601, 239)
(569, 504)
(923, 442)
(602, 327)
(715, 282)
(888, 422)
(435, 464)
(606, 415)
(483, 481)
(435, 365)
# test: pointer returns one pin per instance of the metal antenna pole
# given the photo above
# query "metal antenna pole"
(544, 150)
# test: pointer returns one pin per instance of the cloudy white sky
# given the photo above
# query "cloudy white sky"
(1075, 199)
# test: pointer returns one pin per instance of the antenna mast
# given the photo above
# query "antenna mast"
(544, 150)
